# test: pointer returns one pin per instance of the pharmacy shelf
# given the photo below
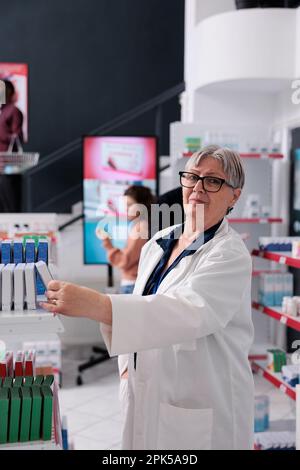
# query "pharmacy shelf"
(261, 156)
(276, 313)
(265, 271)
(33, 445)
(56, 439)
(32, 322)
(281, 257)
(256, 220)
(275, 379)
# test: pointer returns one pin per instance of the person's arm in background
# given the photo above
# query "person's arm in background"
(128, 256)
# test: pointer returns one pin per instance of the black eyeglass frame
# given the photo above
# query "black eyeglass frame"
(203, 178)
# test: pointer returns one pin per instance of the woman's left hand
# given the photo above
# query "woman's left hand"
(77, 301)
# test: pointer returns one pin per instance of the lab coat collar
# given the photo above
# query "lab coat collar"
(174, 233)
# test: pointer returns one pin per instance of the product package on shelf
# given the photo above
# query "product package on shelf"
(276, 359)
(20, 364)
(26, 401)
(18, 282)
(7, 287)
(6, 251)
(273, 287)
(48, 357)
(42, 257)
(277, 243)
(30, 283)
(27, 411)
(7, 365)
(19, 287)
(16, 253)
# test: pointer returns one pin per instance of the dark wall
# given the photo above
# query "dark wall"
(90, 60)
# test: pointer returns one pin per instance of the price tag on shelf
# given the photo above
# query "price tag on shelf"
(263, 221)
(283, 320)
(264, 156)
(282, 260)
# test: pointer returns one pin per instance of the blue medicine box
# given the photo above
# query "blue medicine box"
(42, 255)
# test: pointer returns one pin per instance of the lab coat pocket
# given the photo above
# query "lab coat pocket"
(182, 428)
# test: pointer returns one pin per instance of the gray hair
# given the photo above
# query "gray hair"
(230, 160)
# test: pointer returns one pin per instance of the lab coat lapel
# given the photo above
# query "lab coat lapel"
(175, 275)
(153, 257)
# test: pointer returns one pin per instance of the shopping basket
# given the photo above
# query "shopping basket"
(19, 161)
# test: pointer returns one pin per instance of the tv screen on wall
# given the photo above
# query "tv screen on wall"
(110, 165)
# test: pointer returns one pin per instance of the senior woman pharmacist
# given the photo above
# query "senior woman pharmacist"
(187, 327)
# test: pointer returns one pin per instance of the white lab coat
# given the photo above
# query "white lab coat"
(193, 386)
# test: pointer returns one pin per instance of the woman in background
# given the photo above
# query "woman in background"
(127, 259)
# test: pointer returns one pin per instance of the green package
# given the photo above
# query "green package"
(7, 382)
(39, 380)
(49, 379)
(25, 413)
(28, 381)
(18, 382)
(4, 406)
(14, 415)
(36, 410)
(47, 412)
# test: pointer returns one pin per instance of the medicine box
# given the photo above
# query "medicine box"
(19, 287)
(30, 286)
(7, 287)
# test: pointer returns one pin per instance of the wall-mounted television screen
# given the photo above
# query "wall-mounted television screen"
(110, 165)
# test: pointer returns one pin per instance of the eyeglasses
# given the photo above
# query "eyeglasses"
(211, 184)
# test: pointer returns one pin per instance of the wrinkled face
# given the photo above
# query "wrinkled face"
(214, 205)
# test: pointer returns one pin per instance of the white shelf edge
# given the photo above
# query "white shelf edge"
(30, 321)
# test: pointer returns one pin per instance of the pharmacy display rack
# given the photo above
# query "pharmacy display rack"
(56, 439)
(284, 258)
(29, 322)
(260, 367)
(34, 323)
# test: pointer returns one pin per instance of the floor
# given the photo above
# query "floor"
(93, 411)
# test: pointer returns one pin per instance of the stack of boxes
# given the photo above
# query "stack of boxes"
(273, 287)
(276, 360)
(20, 278)
(26, 401)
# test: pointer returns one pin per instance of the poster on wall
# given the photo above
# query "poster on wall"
(110, 166)
(18, 75)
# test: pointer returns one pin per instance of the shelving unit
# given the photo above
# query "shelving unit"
(280, 257)
(276, 313)
(274, 378)
(227, 96)
(30, 322)
(56, 439)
